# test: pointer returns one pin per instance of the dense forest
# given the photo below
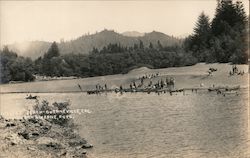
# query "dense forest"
(14, 67)
(223, 39)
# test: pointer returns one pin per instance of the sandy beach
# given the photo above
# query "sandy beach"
(185, 77)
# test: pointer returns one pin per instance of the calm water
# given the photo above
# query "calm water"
(148, 125)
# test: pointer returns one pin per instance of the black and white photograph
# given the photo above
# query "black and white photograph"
(124, 79)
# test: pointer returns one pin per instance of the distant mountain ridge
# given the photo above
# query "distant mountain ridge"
(133, 34)
(85, 43)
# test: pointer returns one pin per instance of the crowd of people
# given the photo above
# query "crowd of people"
(98, 89)
(152, 83)
(149, 76)
(160, 84)
(168, 83)
(235, 71)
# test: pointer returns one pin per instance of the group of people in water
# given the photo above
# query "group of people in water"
(101, 88)
(235, 71)
(168, 83)
(150, 76)
(160, 84)
(142, 85)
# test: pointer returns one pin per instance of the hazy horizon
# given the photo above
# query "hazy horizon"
(56, 20)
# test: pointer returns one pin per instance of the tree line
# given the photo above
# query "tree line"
(14, 67)
(223, 40)
(111, 59)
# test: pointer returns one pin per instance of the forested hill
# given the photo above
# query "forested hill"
(85, 43)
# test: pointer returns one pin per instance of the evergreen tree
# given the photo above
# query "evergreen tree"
(141, 45)
(14, 68)
(151, 46)
(199, 41)
(229, 14)
(229, 26)
(48, 63)
(95, 50)
(135, 46)
(52, 52)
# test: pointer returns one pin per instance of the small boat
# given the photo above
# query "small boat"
(232, 88)
(212, 89)
(93, 92)
(31, 97)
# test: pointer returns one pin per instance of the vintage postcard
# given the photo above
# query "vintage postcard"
(124, 79)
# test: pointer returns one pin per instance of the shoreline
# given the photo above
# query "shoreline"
(14, 144)
(39, 138)
(128, 91)
(185, 77)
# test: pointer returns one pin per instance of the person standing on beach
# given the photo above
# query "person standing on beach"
(80, 87)
(134, 85)
(162, 83)
(142, 81)
(131, 87)
(121, 89)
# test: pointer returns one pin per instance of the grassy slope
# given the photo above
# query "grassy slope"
(186, 77)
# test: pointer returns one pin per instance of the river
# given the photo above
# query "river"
(142, 125)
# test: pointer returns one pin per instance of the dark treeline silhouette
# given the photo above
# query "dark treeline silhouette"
(14, 67)
(115, 59)
(223, 40)
(112, 59)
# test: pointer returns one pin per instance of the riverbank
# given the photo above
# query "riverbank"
(185, 77)
(39, 138)
(134, 124)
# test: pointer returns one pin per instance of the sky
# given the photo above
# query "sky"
(55, 20)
